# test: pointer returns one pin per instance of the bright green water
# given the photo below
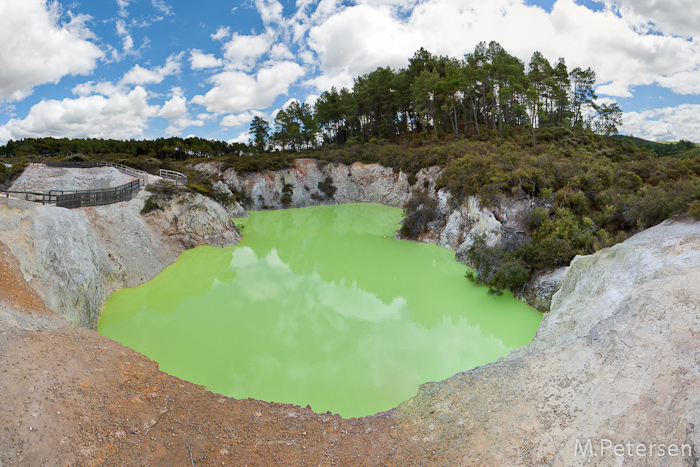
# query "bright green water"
(318, 306)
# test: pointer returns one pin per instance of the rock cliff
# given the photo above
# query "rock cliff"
(356, 183)
(616, 360)
(75, 258)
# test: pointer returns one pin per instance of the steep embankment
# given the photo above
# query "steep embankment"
(75, 258)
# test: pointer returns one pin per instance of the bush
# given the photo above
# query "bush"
(327, 188)
(419, 210)
(164, 190)
(150, 205)
(497, 267)
(9, 174)
(694, 210)
(287, 192)
(161, 192)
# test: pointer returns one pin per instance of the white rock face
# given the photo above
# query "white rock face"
(75, 258)
(357, 183)
(597, 286)
(616, 359)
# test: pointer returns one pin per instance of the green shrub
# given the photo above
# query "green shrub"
(287, 192)
(150, 205)
(694, 210)
(327, 188)
(419, 210)
(497, 267)
(9, 174)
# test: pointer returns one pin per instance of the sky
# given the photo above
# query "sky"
(146, 69)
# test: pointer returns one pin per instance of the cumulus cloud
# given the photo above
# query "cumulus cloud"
(140, 75)
(121, 115)
(176, 107)
(199, 60)
(233, 121)
(221, 33)
(270, 11)
(666, 124)
(678, 17)
(243, 139)
(236, 92)
(175, 111)
(243, 51)
(38, 46)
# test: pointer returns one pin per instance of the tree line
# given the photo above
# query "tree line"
(489, 90)
(161, 148)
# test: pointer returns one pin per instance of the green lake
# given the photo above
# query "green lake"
(318, 306)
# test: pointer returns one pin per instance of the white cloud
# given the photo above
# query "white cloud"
(236, 92)
(199, 60)
(243, 51)
(37, 46)
(162, 7)
(270, 11)
(140, 75)
(123, 4)
(243, 139)
(281, 52)
(232, 121)
(221, 33)
(106, 88)
(175, 111)
(127, 40)
(121, 115)
(176, 107)
(676, 17)
(666, 124)
(683, 82)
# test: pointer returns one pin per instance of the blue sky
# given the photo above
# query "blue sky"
(157, 68)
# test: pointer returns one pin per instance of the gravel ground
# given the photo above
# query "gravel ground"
(39, 177)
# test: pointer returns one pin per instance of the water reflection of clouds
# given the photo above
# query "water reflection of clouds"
(269, 278)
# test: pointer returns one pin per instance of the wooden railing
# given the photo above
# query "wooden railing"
(35, 196)
(79, 198)
(177, 177)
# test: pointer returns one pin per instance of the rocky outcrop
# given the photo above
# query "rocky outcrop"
(538, 293)
(615, 361)
(75, 258)
(356, 183)
(469, 219)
